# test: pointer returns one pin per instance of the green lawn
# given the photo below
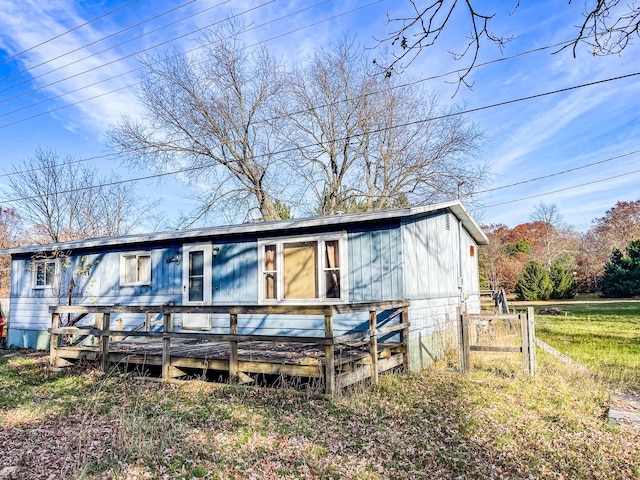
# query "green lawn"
(604, 337)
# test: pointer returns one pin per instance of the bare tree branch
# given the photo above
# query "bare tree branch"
(51, 195)
(210, 111)
(608, 27)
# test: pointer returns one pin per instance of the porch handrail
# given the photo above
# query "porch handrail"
(329, 339)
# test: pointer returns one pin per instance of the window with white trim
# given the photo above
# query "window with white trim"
(43, 273)
(135, 269)
(299, 269)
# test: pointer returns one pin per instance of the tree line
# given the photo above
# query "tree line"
(545, 258)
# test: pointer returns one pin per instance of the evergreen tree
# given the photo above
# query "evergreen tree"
(564, 285)
(534, 283)
(621, 277)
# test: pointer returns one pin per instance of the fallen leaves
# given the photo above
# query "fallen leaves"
(429, 425)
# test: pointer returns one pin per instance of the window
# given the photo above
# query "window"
(303, 269)
(44, 272)
(135, 269)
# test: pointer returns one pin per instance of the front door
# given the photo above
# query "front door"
(196, 288)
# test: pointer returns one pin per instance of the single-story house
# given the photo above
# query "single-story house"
(427, 255)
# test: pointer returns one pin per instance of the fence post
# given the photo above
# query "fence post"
(96, 325)
(233, 350)
(463, 342)
(531, 333)
(167, 327)
(330, 372)
(106, 326)
(373, 346)
(404, 319)
(54, 340)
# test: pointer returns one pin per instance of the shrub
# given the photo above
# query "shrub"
(564, 284)
(534, 283)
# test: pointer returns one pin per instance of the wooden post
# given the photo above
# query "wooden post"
(106, 320)
(147, 322)
(531, 340)
(404, 319)
(463, 342)
(524, 335)
(330, 372)
(54, 340)
(167, 327)
(233, 350)
(373, 346)
(96, 325)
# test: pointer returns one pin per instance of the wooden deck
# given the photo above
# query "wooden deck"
(335, 361)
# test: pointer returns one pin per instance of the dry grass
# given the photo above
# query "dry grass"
(495, 424)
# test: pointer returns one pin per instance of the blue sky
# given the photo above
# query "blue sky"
(67, 103)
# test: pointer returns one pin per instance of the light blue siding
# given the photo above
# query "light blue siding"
(375, 265)
(435, 247)
(99, 284)
(431, 256)
(235, 273)
(418, 259)
(300, 325)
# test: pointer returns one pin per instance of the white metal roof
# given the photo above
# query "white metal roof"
(261, 228)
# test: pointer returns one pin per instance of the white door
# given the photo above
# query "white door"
(196, 280)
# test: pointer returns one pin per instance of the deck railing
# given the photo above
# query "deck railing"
(102, 330)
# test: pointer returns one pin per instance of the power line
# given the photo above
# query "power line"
(103, 39)
(188, 51)
(297, 112)
(123, 58)
(378, 130)
(372, 93)
(67, 32)
(69, 162)
(610, 159)
(48, 99)
(404, 85)
(557, 191)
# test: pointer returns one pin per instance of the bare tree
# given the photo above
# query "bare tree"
(65, 201)
(211, 116)
(417, 152)
(331, 94)
(368, 144)
(10, 236)
(550, 221)
(607, 27)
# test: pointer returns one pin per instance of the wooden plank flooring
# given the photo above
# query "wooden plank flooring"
(269, 352)
(352, 363)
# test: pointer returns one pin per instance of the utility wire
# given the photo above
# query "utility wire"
(126, 56)
(68, 162)
(67, 32)
(378, 130)
(29, 80)
(186, 52)
(559, 44)
(106, 38)
(394, 87)
(610, 159)
(557, 191)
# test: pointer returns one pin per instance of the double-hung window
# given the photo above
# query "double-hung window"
(44, 273)
(135, 269)
(299, 269)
